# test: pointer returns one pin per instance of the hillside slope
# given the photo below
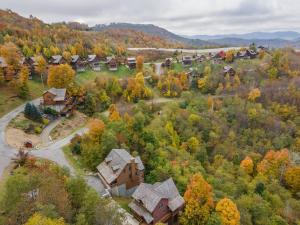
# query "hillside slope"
(32, 31)
(154, 30)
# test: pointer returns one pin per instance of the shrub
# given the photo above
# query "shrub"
(38, 130)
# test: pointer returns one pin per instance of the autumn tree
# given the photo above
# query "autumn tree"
(60, 76)
(38, 219)
(96, 128)
(228, 212)
(67, 56)
(139, 63)
(136, 88)
(247, 165)
(292, 178)
(22, 83)
(254, 94)
(229, 56)
(199, 202)
(274, 164)
(113, 113)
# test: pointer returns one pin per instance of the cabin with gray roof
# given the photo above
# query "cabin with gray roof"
(131, 62)
(58, 100)
(228, 70)
(111, 63)
(160, 202)
(94, 62)
(57, 60)
(121, 173)
(187, 60)
(77, 63)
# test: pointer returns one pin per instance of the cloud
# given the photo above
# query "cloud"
(179, 16)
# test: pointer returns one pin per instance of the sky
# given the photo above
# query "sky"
(184, 17)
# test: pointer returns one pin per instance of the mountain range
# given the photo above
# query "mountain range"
(154, 30)
(270, 39)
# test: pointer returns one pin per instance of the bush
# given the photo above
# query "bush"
(50, 111)
(45, 122)
(38, 130)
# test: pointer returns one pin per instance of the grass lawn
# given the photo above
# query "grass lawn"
(9, 100)
(122, 71)
(123, 202)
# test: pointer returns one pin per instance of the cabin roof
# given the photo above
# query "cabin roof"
(150, 195)
(115, 162)
(56, 59)
(59, 93)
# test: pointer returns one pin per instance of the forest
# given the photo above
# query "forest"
(231, 142)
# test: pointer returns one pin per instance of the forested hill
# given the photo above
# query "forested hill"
(36, 34)
(154, 30)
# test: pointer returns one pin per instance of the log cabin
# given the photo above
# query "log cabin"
(58, 100)
(187, 61)
(131, 63)
(228, 70)
(112, 63)
(94, 62)
(168, 62)
(57, 60)
(160, 202)
(77, 63)
(121, 173)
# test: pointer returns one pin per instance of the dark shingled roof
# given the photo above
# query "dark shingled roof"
(148, 196)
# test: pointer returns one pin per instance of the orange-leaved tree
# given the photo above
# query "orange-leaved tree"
(274, 164)
(292, 178)
(247, 165)
(96, 129)
(228, 212)
(199, 201)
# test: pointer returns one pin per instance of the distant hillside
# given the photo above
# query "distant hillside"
(154, 30)
(284, 35)
(34, 33)
(272, 43)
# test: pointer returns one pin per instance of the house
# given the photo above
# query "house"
(121, 173)
(168, 62)
(228, 70)
(160, 202)
(31, 63)
(187, 61)
(77, 63)
(247, 54)
(220, 55)
(112, 63)
(57, 99)
(94, 62)
(3, 67)
(131, 63)
(200, 58)
(57, 60)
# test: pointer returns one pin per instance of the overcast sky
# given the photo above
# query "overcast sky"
(180, 16)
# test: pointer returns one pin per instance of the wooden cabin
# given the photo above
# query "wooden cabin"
(187, 61)
(157, 203)
(168, 62)
(58, 100)
(57, 60)
(77, 63)
(111, 63)
(94, 62)
(131, 62)
(31, 63)
(121, 173)
(228, 70)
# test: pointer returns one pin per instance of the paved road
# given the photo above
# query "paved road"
(45, 135)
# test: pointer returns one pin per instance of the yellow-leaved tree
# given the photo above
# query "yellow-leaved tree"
(199, 202)
(139, 63)
(114, 115)
(60, 76)
(292, 178)
(228, 212)
(38, 219)
(96, 129)
(254, 94)
(247, 165)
